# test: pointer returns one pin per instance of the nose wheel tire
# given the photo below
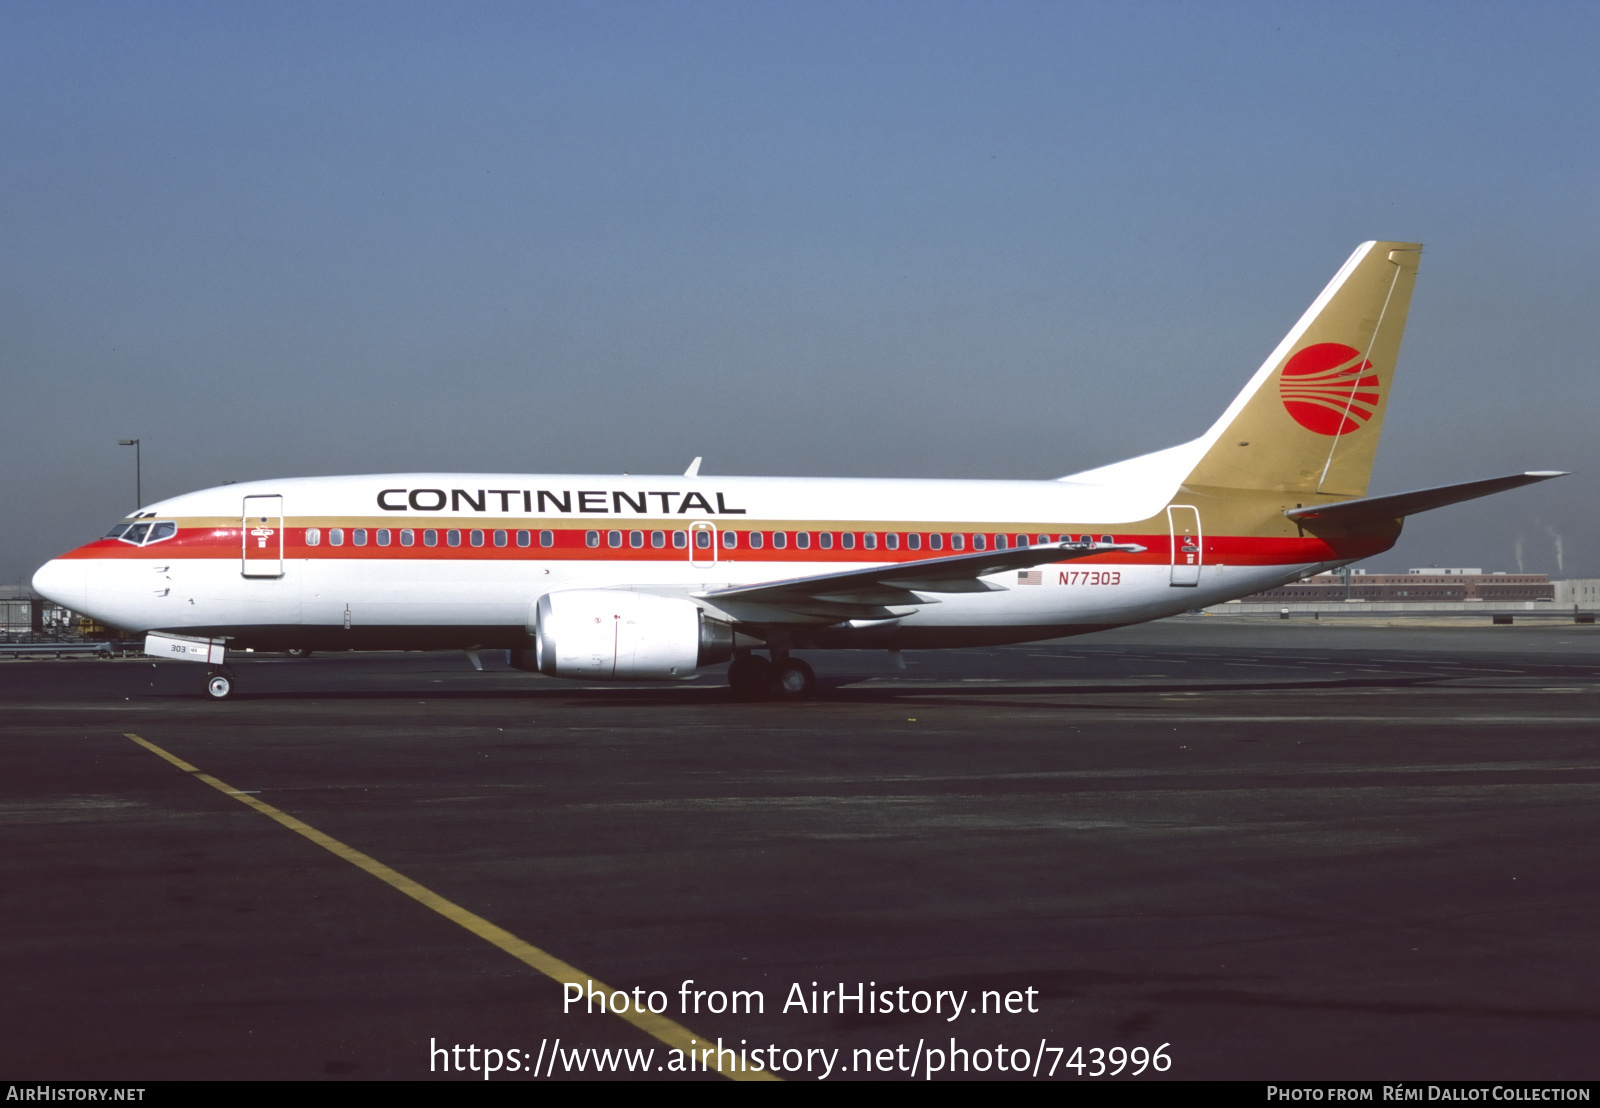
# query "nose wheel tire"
(219, 686)
(795, 680)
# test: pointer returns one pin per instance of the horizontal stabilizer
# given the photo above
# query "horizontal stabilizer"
(1375, 508)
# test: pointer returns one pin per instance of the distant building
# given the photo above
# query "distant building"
(1418, 585)
(1579, 592)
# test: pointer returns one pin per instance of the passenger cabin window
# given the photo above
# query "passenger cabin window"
(658, 539)
(956, 542)
(336, 536)
(978, 542)
(999, 542)
(730, 539)
(524, 538)
(408, 537)
(614, 539)
(592, 539)
(802, 539)
(825, 540)
(780, 540)
(453, 537)
(870, 540)
(935, 542)
(499, 538)
(430, 537)
(383, 536)
(358, 536)
(313, 536)
(680, 541)
(636, 539)
(891, 541)
(848, 540)
(755, 540)
(702, 540)
(547, 538)
(913, 541)
(476, 537)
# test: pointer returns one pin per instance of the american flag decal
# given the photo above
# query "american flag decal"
(1030, 577)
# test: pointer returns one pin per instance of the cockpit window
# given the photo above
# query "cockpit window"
(143, 534)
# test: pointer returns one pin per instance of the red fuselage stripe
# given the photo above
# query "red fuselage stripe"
(572, 544)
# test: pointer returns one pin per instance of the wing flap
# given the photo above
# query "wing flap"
(870, 593)
(953, 584)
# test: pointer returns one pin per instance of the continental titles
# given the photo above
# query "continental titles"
(567, 501)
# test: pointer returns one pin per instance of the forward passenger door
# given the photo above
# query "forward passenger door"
(261, 535)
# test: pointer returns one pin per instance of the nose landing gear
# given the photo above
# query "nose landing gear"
(219, 684)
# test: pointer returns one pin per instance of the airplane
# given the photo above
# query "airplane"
(630, 578)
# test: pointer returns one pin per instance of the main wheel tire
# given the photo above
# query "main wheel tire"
(795, 680)
(219, 686)
(750, 677)
(298, 652)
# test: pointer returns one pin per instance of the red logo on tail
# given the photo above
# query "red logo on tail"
(1324, 389)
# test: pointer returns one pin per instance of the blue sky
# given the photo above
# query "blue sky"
(985, 240)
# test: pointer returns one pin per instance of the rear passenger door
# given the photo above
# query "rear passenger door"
(1187, 555)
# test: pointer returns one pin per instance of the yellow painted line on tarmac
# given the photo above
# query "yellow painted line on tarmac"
(668, 1031)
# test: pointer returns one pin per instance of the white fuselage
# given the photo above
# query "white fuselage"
(278, 562)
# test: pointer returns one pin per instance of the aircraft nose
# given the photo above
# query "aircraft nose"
(62, 580)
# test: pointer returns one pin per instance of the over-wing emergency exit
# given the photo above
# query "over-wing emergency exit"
(652, 578)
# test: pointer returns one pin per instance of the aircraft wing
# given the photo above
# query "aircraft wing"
(1374, 508)
(873, 593)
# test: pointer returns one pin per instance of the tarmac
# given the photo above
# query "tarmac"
(1269, 850)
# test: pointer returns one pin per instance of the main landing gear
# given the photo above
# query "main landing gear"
(754, 678)
(219, 683)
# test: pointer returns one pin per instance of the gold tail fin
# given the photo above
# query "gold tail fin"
(1308, 422)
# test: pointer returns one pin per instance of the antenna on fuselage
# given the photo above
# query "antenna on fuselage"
(694, 469)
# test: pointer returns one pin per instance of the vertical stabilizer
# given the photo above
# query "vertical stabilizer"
(1308, 421)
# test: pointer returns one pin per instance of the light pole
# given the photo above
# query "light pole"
(138, 475)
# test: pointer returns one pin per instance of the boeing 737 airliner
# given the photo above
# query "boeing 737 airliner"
(651, 578)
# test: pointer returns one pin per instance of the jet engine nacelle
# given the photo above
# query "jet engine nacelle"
(613, 635)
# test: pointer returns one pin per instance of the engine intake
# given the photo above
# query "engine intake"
(613, 635)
